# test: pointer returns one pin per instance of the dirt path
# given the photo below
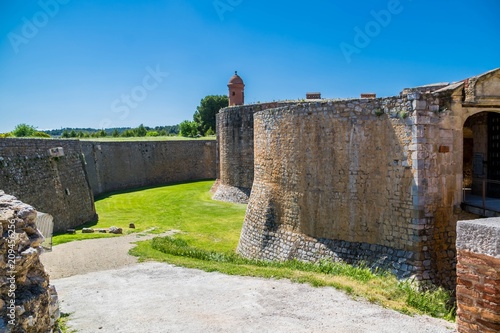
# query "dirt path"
(107, 291)
(92, 255)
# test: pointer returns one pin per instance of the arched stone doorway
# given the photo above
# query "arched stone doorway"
(481, 163)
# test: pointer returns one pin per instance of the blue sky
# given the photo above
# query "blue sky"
(70, 63)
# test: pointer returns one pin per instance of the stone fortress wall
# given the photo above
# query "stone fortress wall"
(54, 185)
(235, 151)
(372, 180)
(113, 166)
(65, 186)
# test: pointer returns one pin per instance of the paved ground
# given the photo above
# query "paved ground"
(156, 297)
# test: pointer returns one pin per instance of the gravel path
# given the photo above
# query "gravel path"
(106, 290)
(92, 255)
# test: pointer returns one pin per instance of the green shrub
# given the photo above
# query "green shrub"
(24, 130)
(39, 134)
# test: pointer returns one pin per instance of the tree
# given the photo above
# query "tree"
(128, 133)
(188, 129)
(207, 110)
(24, 130)
(141, 130)
(115, 133)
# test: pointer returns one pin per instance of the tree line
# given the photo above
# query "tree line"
(203, 124)
(25, 130)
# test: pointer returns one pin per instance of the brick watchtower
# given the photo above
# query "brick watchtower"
(236, 90)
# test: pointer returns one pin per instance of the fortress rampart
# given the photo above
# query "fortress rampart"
(378, 181)
(65, 186)
(113, 166)
(235, 151)
(54, 185)
(334, 178)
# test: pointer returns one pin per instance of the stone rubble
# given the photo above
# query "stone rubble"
(28, 303)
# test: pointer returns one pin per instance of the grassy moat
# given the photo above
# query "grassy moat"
(208, 233)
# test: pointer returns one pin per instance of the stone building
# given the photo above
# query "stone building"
(378, 180)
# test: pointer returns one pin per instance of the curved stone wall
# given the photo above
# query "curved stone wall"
(334, 178)
(114, 166)
(235, 152)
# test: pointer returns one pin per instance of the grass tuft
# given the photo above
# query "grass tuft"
(434, 302)
(62, 323)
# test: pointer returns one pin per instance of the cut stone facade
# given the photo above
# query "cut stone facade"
(372, 180)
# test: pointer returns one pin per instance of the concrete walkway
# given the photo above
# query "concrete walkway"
(158, 297)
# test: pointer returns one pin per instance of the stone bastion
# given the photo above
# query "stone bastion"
(373, 180)
(65, 186)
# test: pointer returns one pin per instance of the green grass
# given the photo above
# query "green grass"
(208, 235)
(186, 207)
(62, 323)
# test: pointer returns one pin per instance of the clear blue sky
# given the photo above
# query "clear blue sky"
(72, 63)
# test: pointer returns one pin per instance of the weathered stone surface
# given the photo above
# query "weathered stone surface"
(112, 166)
(87, 231)
(479, 236)
(56, 185)
(230, 193)
(28, 303)
(328, 182)
(64, 186)
(115, 230)
(235, 152)
(385, 172)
